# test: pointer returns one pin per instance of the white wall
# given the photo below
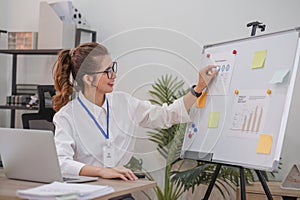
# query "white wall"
(205, 21)
(150, 38)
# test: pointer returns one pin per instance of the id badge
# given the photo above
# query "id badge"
(108, 155)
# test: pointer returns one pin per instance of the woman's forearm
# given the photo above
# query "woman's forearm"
(189, 99)
(89, 170)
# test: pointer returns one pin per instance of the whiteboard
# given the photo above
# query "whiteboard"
(244, 118)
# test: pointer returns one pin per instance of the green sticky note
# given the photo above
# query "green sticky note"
(213, 120)
(279, 76)
(259, 59)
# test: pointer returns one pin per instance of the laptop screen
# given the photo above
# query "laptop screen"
(29, 155)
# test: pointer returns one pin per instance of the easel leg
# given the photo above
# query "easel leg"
(264, 184)
(212, 182)
(243, 183)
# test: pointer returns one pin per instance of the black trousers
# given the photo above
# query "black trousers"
(123, 197)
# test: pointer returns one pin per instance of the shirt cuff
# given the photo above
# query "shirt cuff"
(185, 117)
(72, 168)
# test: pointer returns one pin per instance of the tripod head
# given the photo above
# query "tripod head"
(256, 25)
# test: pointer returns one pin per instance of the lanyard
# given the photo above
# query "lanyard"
(106, 135)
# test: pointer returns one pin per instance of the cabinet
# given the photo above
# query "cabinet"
(256, 192)
(14, 54)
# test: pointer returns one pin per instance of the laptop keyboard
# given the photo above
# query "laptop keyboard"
(69, 179)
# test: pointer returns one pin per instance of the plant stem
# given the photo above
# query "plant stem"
(167, 181)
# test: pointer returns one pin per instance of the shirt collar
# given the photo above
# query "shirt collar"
(93, 108)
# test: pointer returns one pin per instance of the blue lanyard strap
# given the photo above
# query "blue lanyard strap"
(106, 135)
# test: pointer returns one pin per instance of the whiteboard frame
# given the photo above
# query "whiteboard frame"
(208, 157)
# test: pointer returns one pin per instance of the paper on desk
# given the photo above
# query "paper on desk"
(58, 190)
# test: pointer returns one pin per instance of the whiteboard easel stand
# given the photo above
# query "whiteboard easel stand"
(261, 178)
(242, 182)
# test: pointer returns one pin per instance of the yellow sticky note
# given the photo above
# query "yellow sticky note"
(213, 120)
(259, 59)
(201, 101)
(264, 144)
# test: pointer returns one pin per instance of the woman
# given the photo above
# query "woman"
(93, 132)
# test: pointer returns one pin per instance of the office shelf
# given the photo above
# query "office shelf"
(15, 107)
(30, 51)
(14, 53)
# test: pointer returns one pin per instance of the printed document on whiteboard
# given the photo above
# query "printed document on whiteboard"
(225, 64)
(249, 111)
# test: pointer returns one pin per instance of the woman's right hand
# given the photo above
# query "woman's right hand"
(118, 172)
(205, 76)
(109, 173)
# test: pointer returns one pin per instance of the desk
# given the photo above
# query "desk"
(8, 187)
(255, 191)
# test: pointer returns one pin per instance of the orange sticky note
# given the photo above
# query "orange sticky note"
(264, 144)
(201, 101)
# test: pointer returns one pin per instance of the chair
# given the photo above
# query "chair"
(43, 119)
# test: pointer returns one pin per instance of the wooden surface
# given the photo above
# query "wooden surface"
(8, 187)
(256, 192)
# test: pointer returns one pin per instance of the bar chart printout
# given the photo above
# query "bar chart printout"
(249, 112)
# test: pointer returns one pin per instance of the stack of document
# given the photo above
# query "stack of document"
(58, 190)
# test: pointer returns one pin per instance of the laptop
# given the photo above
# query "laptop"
(31, 155)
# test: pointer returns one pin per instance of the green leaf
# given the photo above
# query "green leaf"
(176, 144)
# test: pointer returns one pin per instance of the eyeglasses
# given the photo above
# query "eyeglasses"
(109, 72)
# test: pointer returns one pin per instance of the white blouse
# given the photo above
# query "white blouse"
(79, 142)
